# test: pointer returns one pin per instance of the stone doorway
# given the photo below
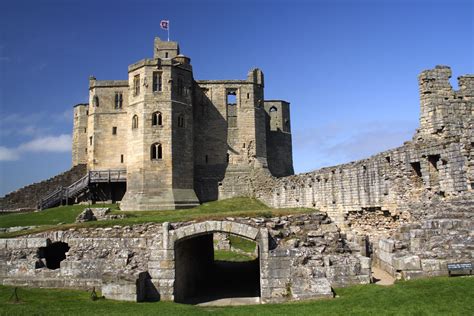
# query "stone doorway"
(187, 270)
(203, 275)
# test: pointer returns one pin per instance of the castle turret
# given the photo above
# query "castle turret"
(160, 136)
(79, 134)
(443, 111)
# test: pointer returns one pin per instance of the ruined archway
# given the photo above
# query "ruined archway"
(198, 277)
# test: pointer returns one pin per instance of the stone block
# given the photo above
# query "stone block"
(36, 242)
(17, 243)
(365, 262)
(410, 275)
(407, 263)
(430, 265)
(386, 245)
(384, 256)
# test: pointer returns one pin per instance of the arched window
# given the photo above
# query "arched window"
(274, 121)
(181, 120)
(156, 151)
(156, 119)
(96, 100)
(135, 122)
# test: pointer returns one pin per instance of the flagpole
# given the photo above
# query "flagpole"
(168, 31)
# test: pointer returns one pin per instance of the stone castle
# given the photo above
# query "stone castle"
(179, 138)
(162, 140)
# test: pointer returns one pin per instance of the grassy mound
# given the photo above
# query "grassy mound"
(66, 215)
(435, 296)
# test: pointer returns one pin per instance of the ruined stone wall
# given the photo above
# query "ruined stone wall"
(301, 257)
(228, 133)
(279, 146)
(437, 161)
(440, 233)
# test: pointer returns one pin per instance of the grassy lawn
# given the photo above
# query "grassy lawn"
(226, 255)
(435, 296)
(53, 216)
(242, 243)
(49, 219)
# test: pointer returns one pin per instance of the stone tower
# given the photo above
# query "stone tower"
(79, 142)
(160, 134)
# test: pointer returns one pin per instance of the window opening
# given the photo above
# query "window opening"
(416, 167)
(156, 151)
(136, 85)
(157, 81)
(135, 122)
(156, 119)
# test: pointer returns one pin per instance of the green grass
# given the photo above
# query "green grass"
(212, 210)
(227, 255)
(242, 243)
(435, 296)
(53, 216)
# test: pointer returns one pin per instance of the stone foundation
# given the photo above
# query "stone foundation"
(300, 257)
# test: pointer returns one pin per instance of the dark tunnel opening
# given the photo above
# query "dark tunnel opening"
(54, 253)
(200, 276)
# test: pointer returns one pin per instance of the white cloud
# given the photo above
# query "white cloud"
(61, 143)
(36, 124)
(51, 144)
(7, 154)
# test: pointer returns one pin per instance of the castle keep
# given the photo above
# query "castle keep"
(179, 138)
(163, 140)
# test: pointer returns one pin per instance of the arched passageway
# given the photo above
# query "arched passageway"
(202, 274)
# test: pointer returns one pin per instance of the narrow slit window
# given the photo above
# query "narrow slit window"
(114, 130)
(96, 101)
(181, 121)
(121, 158)
(157, 81)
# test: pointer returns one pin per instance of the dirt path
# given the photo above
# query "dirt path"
(381, 277)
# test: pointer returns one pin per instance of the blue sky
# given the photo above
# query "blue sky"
(349, 68)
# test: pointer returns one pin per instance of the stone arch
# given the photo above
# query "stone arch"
(164, 267)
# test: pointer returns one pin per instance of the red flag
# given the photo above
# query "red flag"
(165, 24)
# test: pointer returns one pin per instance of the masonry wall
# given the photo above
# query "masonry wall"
(79, 134)
(279, 146)
(437, 161)
(301, 257)
(107, 150)
(229, 137)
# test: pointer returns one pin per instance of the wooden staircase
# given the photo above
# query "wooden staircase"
(62, 195)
